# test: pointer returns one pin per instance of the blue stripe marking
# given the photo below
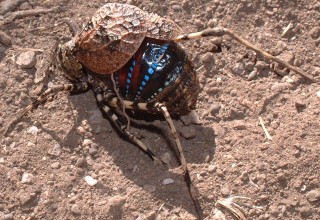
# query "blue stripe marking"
(165, 46)
(150, 71)
(143, 83)
(146, 77)
(129, 75)
(128, 80)
(154, 65)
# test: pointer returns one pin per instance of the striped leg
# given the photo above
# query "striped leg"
(220, 31)
(162, 108)
(76, 87)
(101, 97)
(192, 190)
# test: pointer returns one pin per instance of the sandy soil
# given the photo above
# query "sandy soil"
(45, 158)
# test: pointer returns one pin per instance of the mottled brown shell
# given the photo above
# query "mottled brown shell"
(115, 33)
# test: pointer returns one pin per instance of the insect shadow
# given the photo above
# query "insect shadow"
(135, 165)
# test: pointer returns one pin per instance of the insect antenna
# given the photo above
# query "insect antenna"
(220, 31)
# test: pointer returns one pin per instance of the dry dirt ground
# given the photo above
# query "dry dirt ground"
(45, 158)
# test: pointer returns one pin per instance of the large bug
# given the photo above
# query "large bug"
(131, 60)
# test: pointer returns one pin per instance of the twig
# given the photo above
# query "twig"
(264, 129)
(27, 48)
(25, 13)
(285, 31)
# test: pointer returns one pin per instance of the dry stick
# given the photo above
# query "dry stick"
(264, 129)
(27, 49)
(25, 13)
(219, 31)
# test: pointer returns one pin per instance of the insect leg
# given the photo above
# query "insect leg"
(162, 108)
(192, 190)
(76, 87)
(220, 31)
(122, 127)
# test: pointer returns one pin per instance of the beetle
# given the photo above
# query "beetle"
(131, 59)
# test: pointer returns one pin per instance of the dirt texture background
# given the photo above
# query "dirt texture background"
(45, 158)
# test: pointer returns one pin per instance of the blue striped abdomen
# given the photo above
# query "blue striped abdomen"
(158, 72)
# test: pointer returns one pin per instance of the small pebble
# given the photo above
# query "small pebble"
(225, 191)
(33, 130)
(208, 58)
(7, 216)
(55, 165)
(1, 160)
(30, 144)
(81, 130)
(75, 209)
(135, 168)
(253, 74)
(176, 7)
(260, 65)
(233, 93)
(300, 104)
(281, 86)
(167, 181)
(90, 180)
(55, 151)
(238, 68)
(150, 188)
(239, 125)
(93, 151)
(188, 132)
(191, 118)
(212, 23)
(86, 142)
(80, 162)
(214, 109)
(313, 195)
(318, 93)
(212, 168)
(166, 158)
(199, 178)
(281, 177)
(27, 178)
(305, 211)
(117, 202)
(26, 60)
(315, 32)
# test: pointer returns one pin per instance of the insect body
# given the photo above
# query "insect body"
(158, 78)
